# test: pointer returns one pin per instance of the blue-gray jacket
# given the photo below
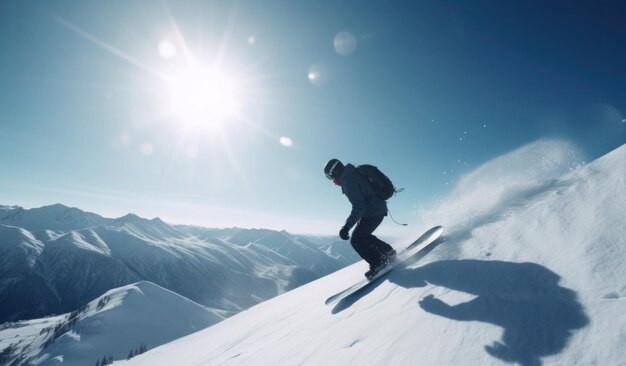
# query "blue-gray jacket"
(365, 202)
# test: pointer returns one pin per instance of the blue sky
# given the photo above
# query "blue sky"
(103, 103)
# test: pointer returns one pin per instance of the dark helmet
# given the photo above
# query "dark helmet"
(333, 169)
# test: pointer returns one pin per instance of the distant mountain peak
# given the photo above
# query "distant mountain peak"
(128, 218)
(56, 206)
(11, 207)
(158, 220)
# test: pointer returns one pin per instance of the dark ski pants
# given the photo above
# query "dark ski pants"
(367, 245)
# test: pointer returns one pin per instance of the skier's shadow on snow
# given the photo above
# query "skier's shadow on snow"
(538, 315)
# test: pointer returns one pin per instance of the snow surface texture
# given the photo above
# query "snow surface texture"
(55, 266)
(537, 276)
(113, 325)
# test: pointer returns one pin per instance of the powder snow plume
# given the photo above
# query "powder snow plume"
(506, 181)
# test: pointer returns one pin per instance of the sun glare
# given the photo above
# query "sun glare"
(203, 97)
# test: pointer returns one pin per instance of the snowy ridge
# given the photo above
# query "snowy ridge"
(539, 278)
(53, 217)
(113, 325)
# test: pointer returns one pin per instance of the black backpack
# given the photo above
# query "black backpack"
(379, 181)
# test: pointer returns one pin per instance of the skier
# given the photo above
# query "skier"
(368, 211)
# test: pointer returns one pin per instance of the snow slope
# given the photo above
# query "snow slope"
(537, 276)
(115, 323)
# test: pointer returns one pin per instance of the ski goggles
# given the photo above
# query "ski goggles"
(329, 174)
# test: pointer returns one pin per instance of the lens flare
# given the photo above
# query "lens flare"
(147, 149)
(345, 43)
(286, 141)
(125, 139)
(318, 74)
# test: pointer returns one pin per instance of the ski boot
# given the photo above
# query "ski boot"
(388, 259)
(374, 269)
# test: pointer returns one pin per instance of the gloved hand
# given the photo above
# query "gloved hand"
(344, 233)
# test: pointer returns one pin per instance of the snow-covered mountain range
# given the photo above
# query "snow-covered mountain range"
(55, 259)
(536, 276)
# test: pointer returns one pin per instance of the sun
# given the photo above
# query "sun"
(202, 97)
